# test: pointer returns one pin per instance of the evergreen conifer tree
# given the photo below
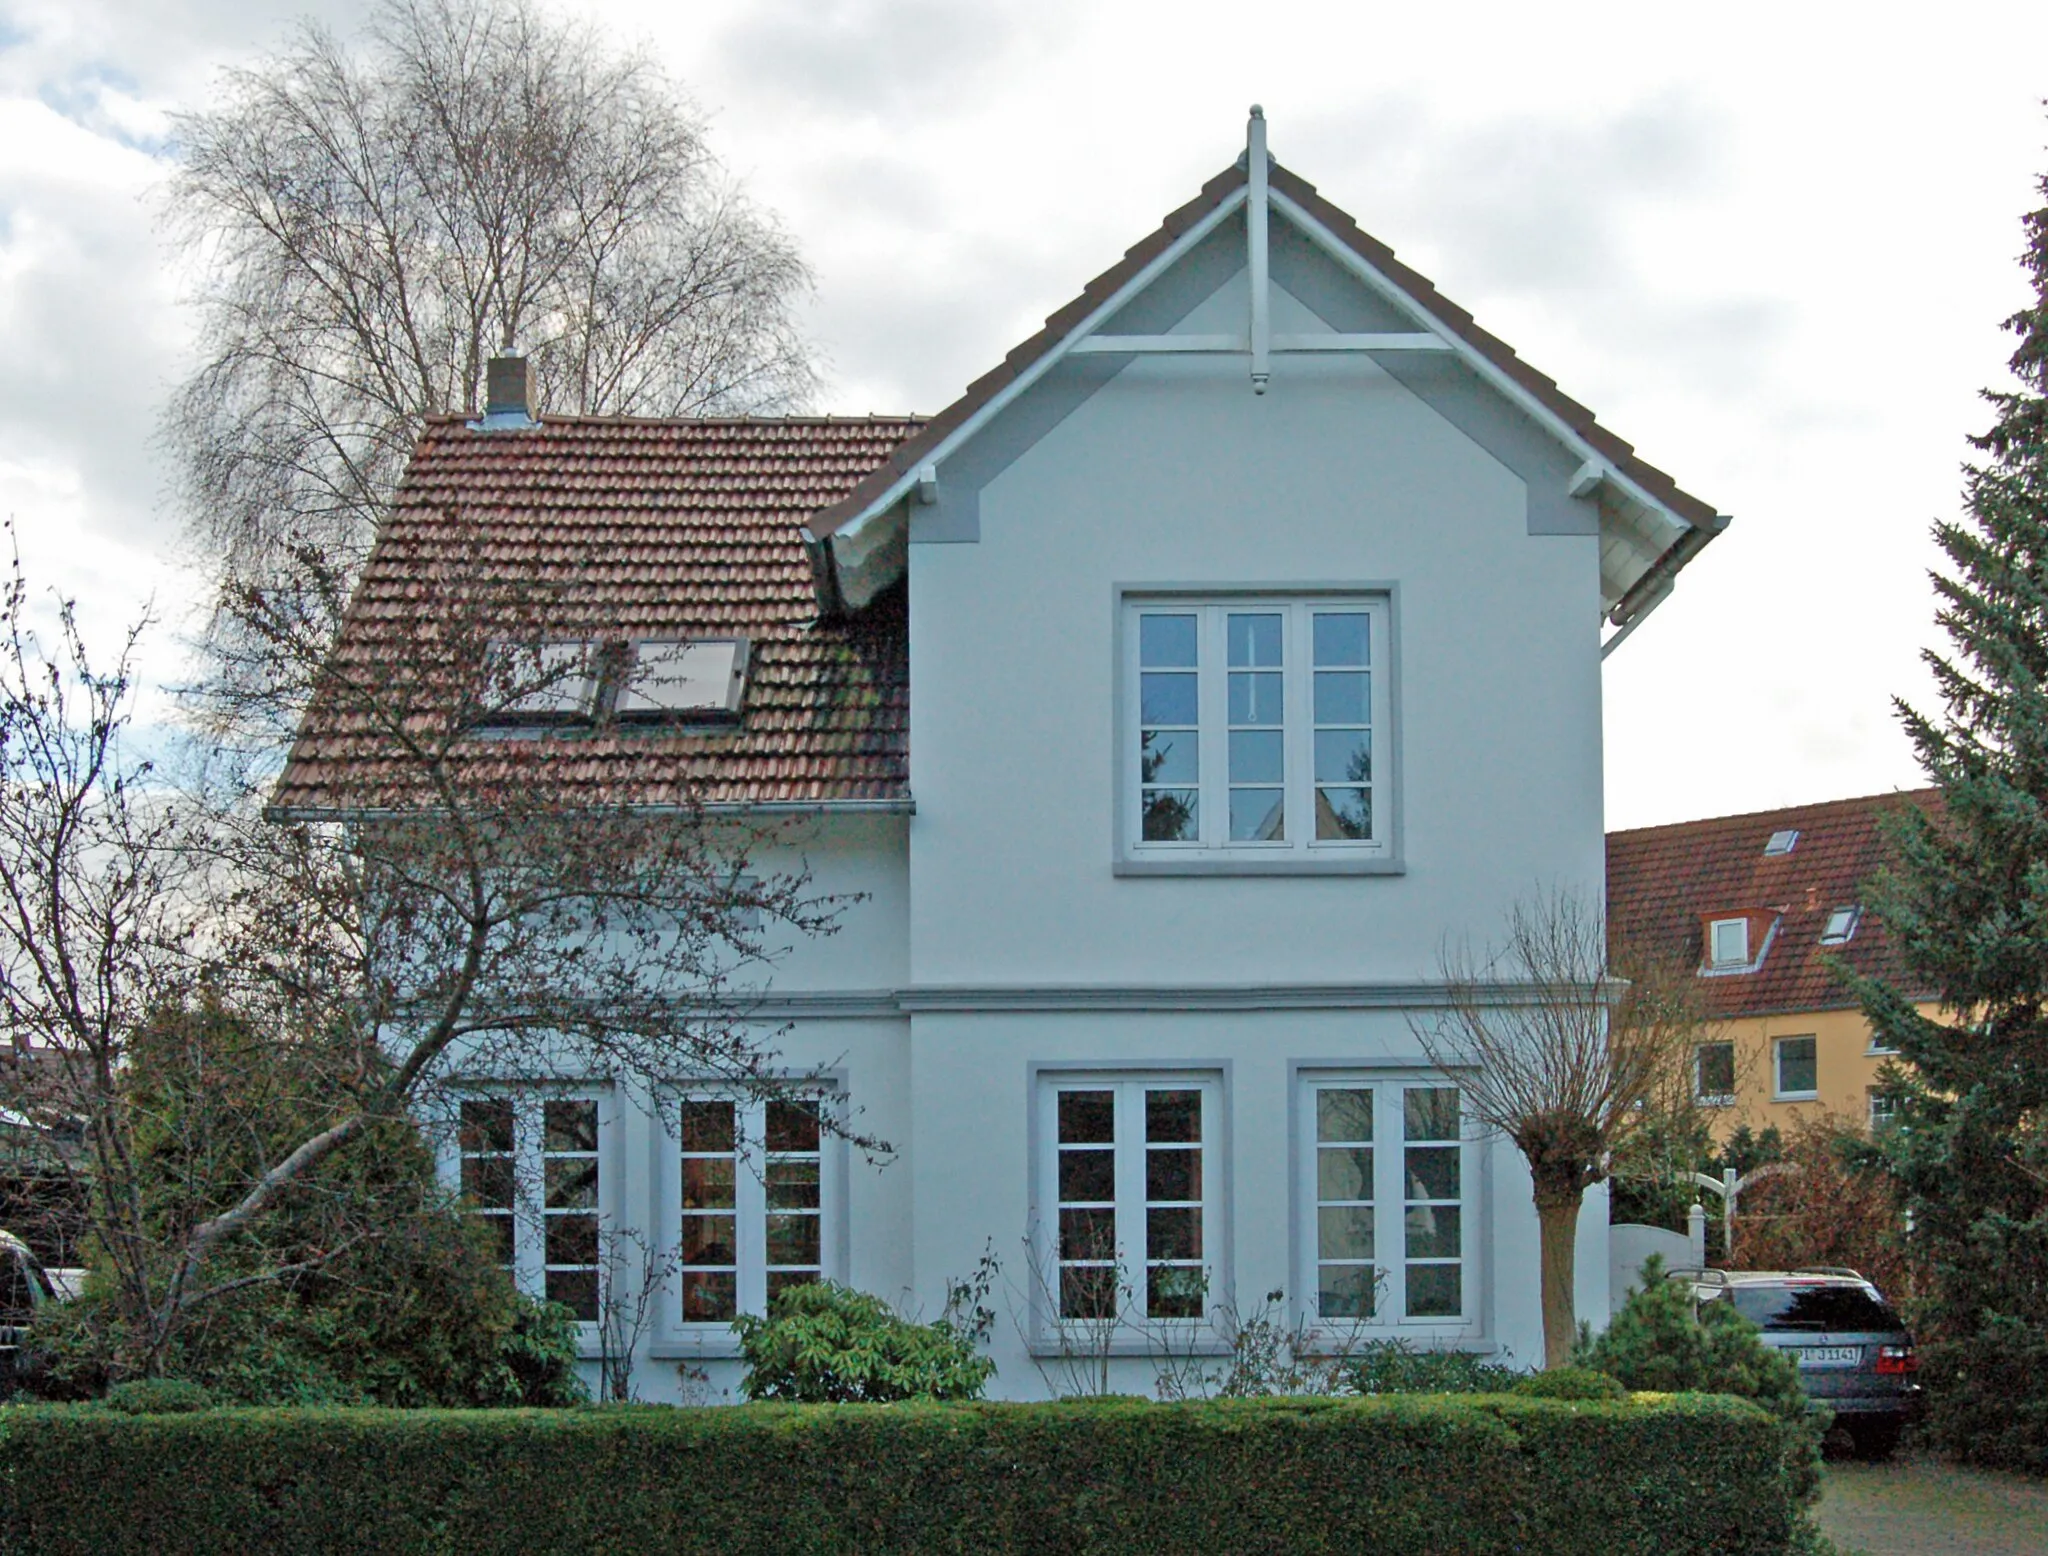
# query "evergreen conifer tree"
(1967, 903)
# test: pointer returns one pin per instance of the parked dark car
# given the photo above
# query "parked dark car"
(1854, 1353)
(24, 1287)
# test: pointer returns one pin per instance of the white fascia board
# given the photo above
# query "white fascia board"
(1558, 428)
(1000, 401)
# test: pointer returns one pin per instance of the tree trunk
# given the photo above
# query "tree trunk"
(1557, 1224)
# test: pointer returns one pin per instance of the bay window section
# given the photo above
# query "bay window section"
(1259, 730)
(756, 1189)
(1130, 1181)
(1387, 1231)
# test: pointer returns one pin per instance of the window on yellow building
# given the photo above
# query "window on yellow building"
(1795, 1069)
(1714, 1074)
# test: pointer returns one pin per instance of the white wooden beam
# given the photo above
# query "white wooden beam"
(1339, 342)
(1586, 479)
(927, 488)
(1117, 344)
(1256, 212)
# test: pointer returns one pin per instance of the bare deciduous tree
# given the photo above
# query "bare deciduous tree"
(1564, 1057)
(457, 920)
(372, 223)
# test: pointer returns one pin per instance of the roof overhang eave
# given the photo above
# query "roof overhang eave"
(905, 805)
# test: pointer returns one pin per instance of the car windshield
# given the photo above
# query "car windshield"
(1814, 1308)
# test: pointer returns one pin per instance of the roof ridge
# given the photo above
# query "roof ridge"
(563, 418)
(1859, 801)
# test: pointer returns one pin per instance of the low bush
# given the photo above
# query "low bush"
(159, 1397)
(1422, 1476)
(1395, 1367)
(1662, 1340)
(827, 1344)
(1569, 1383)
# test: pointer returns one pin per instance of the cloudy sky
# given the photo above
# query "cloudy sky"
(1769, 244)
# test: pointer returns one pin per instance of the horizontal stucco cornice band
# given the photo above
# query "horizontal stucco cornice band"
(905, 806)
(1008, 999)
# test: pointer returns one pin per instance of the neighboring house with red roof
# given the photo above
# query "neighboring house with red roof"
(1171, 699)
(1767, 907)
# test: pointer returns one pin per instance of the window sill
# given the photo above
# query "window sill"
(1220, 863)
(1328, 1345)
(1721, 1100)
(1795, 1096)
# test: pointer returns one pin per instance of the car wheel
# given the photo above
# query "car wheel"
(1875, 1441)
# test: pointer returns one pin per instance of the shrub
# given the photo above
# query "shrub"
(158, 1397)
(1569, 1383)
(1395, 1367)
(823, 1344)
(1399, 1477)
(1661, 1341)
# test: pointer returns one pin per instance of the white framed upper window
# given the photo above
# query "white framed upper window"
(532, 1166)
(1840, 928)
(1258, 731)
(1728, 942)
(1129, 1200)
(1386, 1186)
(1795, 1069)
(758, 1185)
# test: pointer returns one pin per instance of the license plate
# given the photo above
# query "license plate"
(1829, 1355)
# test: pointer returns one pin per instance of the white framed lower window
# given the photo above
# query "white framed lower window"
(1795, 1069)
(1257, 731)
(531, 1164)
(1386, 1190)
(1129, 1199)
(756, 1185)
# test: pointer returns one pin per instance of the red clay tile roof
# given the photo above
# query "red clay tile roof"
(916, 450)
(688, 529)
(1662, 882)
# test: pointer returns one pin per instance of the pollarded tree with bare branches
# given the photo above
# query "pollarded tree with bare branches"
(1563, 1055)
(371, 223)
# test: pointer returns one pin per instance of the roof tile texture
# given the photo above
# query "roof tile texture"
(1664, 882)
(664, 529)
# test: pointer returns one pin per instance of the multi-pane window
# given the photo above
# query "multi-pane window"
(532, 1170)
(1884, 1108)
(1398, 1147)
(753, 1180)
(1714, 1073)
(1797, 1067)
(1260, 726)
(1131, 1183)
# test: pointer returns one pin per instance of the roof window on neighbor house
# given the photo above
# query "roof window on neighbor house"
(1841, 926)
(1781, 842)
(673, 679)
(544, 683)
(1728, 943)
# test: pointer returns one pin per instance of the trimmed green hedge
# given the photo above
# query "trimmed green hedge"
(1428, 1475)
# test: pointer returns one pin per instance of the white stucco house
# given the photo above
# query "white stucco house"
(1169, 698)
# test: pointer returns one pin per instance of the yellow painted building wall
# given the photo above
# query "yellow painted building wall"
(1845, 1068)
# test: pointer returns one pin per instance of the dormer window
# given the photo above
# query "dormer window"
(1781, 843)
(1841, 926)
(544, 683)
(683, 680)
(1728, 943)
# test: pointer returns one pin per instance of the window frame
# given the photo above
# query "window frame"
(1214, 854)
(1778, 1091)
(1390, 1321)
(1714, 1099)
(1715, 960)
(673, 1336)
(1050, 1333)
(529, 1217)
(1878, 1117)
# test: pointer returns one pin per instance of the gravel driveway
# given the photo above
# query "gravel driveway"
(1922, 1507)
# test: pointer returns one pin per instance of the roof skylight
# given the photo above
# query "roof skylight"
(544, 683)
(665, 680)
(1841, 926)
(1782, 842)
